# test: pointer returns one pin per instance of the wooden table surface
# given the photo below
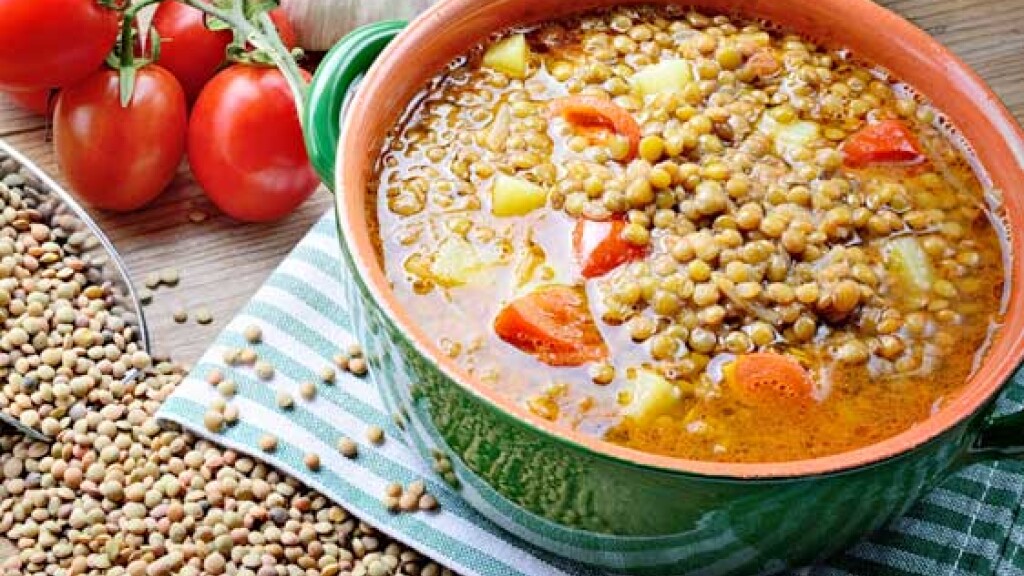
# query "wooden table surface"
(223, 262)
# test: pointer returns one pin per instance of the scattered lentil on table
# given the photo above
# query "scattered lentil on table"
(170, 276)
(268, 443)
(264, 370)
(312, 461)
(328, 375)
(197, 216)
(285, 400)
(358, 366)
(308, 391)
(348, 447)
(180, 316)
(375, 434)
(227, 388)
(214, 377)
(203, 315)
(152, 280)
(248, 356)
(253, 334)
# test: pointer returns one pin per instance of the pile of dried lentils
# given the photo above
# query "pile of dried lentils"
(116, 492)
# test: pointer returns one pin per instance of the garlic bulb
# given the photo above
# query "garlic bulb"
(321, 23)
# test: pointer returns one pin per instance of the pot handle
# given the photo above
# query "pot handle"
(329, 91)
(999, 437)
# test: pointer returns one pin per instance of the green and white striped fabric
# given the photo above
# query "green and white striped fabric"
(970, 525)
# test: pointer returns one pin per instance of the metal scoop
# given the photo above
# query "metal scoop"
(96, 248)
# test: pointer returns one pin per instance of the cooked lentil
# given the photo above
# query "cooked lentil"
(754, 228)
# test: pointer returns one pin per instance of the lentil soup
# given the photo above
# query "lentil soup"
(691, 235)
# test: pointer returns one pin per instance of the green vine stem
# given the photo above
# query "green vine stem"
(263, 35)
(124, 59)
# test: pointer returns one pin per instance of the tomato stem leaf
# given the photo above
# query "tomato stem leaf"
(126, 65)
(254, 8)
(154, 45)
(216, 24)
(251, 23)
(126, 80)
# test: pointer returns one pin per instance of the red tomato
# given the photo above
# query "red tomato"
(245, 145)
(37, 101)
(193, 52)
(590, 112)
(120, 158)
(284, 27)
(53, 43)
(600, 247)
(887, 142)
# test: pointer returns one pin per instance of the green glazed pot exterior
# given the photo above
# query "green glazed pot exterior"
(626, 517)
(604, 511)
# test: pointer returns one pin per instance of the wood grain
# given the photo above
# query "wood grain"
(223, 262)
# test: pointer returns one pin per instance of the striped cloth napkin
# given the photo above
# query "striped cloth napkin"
(970, 525)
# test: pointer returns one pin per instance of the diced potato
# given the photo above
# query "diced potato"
(665, 76)
(512, 196)
(906, 260)
(797, 134)
(457, 262)
(510, 56)
(652, 396)
(788, 135)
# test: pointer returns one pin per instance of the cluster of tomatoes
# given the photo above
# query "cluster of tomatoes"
(237, 123)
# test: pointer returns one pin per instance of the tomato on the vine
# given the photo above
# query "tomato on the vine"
(245, 145)
(193, 52)
(38, 101)
(285, 30)
(53, 43)
(120, 158)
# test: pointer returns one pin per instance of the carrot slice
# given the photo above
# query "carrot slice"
(554, 324)
(887, 142)
(600, 247)
(770, 378)
(590, 112)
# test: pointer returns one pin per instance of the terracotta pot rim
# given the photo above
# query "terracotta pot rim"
(1004, 356)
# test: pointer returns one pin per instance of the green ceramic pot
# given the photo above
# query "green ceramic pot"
(607, 506)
